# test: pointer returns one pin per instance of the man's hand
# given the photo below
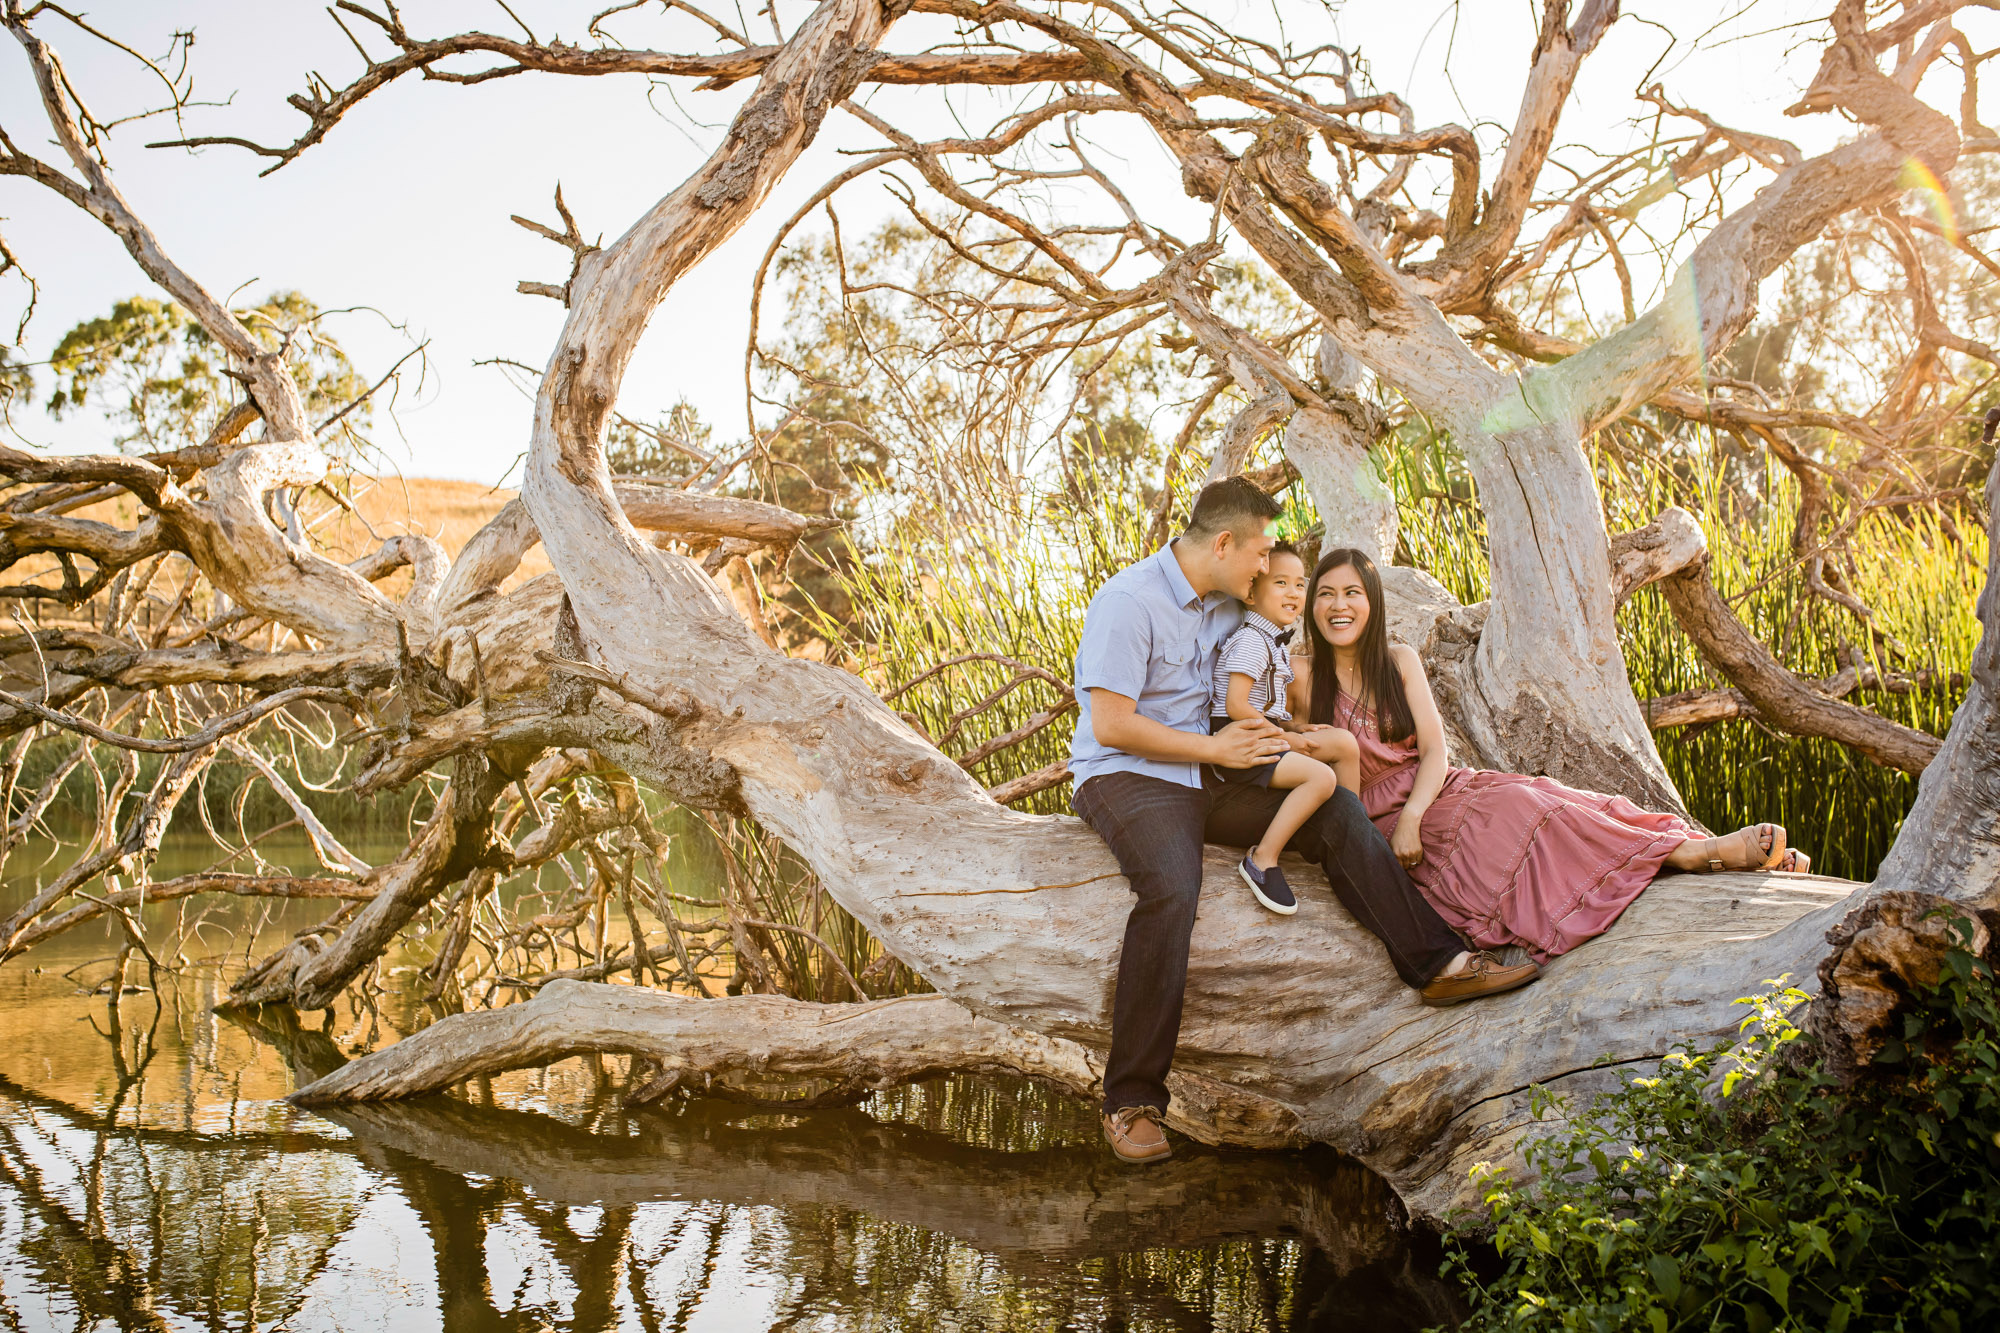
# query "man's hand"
(1246, 743)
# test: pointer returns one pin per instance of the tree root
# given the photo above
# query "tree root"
(1893, 943)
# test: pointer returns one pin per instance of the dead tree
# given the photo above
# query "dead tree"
(631, 662)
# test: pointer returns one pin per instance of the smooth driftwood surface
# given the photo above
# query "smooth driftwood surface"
(1306, 1011)
(878, 1044)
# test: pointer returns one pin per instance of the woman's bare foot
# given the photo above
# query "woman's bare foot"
(1794, 862)
(1756, 847)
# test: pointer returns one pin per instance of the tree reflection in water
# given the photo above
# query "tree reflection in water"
(544, 1203)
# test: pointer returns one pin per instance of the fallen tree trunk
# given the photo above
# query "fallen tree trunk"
(1021, 925)
(1328, 1039)
(764, 1037)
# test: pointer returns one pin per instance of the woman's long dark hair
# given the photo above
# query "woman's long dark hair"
(1381, 683)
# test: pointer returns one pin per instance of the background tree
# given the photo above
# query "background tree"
(158, 375)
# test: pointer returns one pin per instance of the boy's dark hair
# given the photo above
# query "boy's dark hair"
(1280, 548)
(1234, 504)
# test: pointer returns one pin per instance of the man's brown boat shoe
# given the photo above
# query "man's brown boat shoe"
(1135, 1135)
(1484, 975)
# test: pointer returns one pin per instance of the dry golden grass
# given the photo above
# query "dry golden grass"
(450, 511)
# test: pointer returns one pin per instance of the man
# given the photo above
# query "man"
(1139, 759)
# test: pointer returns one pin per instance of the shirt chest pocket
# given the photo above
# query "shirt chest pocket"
(1172, 666)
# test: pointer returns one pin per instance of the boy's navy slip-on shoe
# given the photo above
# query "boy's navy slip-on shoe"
(1269, 887)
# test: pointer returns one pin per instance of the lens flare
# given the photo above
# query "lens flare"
(1916, 176)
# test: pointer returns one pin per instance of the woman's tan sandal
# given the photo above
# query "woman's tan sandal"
(1751, 849)
(1794, 862)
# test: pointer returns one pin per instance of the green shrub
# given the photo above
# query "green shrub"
(1789, 1204)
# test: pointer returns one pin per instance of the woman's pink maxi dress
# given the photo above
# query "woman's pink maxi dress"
(1516, 860)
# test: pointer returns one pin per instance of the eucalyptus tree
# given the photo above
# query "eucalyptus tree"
(629, 663)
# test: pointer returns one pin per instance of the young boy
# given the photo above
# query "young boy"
(1251, 675)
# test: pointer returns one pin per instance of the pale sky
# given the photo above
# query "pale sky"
(403, 210)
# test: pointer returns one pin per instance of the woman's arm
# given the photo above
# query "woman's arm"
(1432, 761)
(1299, 694)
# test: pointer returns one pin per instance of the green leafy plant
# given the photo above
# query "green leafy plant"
(1787, 1203)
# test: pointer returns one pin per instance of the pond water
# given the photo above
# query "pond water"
(153, 1177)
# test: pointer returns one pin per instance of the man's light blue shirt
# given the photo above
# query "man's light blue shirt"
(1149, 637)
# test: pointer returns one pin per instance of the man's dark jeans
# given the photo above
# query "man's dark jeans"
(1156, 830)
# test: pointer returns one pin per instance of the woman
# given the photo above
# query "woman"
(1505, 859)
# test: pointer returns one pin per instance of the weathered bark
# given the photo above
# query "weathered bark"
(1329, 441)
(1890, 946)
(1668, 544)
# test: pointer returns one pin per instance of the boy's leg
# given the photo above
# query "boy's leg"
(1364, 873)
(1154, 828)
(1309, 783)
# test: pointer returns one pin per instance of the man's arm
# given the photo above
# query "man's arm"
(1118, 725)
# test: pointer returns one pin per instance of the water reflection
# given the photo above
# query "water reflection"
(150, 1178)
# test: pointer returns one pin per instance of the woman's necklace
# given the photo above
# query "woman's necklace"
(1348, 677)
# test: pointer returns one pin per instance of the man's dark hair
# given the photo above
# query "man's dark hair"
(1234, 504)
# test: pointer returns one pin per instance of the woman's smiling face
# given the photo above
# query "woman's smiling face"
(1340, 606)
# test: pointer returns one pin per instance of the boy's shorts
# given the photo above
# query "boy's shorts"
(1260, 776)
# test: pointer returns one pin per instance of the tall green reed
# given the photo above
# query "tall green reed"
(1919, 569)
(1017, 586)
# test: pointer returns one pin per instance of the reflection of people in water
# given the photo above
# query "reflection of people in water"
(1506, 859)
